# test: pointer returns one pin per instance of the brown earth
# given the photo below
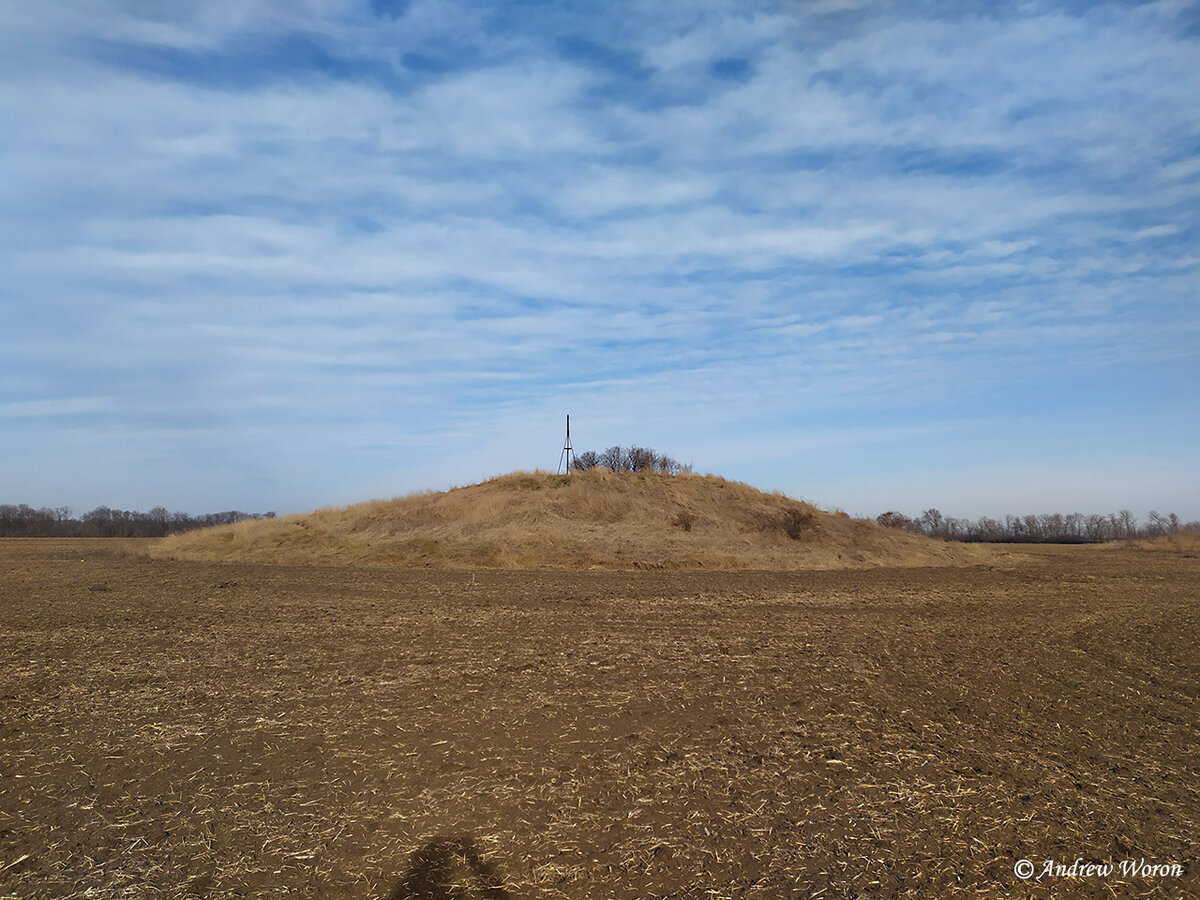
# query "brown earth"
(191, 729)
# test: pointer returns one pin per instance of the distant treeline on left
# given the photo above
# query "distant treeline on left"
(25, 521)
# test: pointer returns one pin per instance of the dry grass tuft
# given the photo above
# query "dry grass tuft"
(595, 519)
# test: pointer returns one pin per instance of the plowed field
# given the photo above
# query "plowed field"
(183, 729)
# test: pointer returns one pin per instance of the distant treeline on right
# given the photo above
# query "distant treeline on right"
(1051, 528)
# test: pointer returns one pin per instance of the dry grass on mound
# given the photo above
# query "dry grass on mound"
(534, 520)
(1185, 542)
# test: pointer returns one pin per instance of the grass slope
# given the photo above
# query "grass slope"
(1186, 543)
(590, 519)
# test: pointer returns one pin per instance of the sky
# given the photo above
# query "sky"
(877, 255)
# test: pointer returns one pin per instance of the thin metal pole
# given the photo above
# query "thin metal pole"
(568, 453)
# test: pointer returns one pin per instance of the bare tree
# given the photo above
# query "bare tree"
(931, 522)
(641, 459)
(1128, 524)
(1095, 527)
(160, 520)
(632, 459)
(989, 529)
(613, 459)
(1154, 524)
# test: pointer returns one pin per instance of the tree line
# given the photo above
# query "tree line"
(630, 459)
(1051, 528)
(25, 521)
(1047, 528)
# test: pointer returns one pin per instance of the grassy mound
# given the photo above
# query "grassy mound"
(1184, 542)
(589, 519)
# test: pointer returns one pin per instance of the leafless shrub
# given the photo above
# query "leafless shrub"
(794, 521)
(684, 519)
(797, 521)
(893, 519)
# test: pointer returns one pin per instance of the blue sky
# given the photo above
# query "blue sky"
(876, 255)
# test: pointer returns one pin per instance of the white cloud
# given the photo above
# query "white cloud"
(1156, 231)
(57, 406)
(886, 213)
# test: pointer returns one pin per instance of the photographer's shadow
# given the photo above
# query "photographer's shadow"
(449, 868)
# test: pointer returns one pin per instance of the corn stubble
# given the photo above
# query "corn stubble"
(232, 729)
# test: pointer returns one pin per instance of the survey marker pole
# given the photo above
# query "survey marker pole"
(568, 454)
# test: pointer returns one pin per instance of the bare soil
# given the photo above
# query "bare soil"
(193, 729)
